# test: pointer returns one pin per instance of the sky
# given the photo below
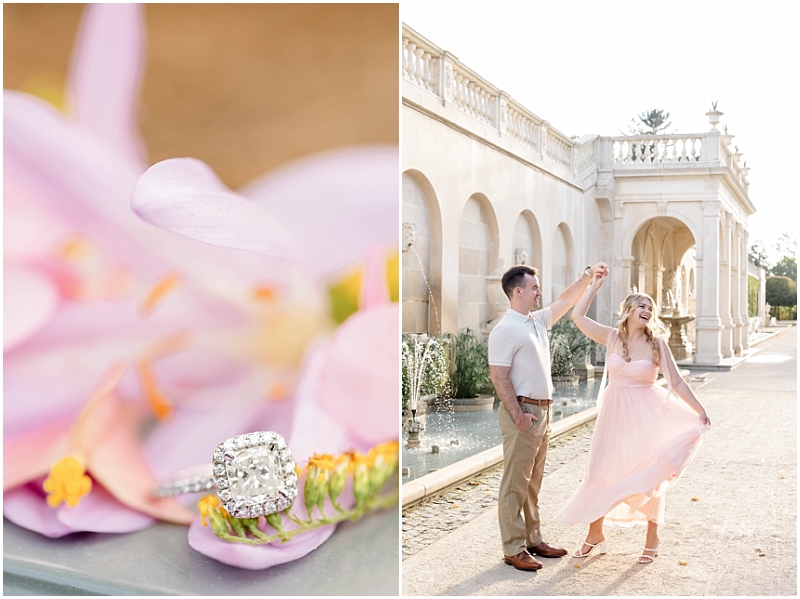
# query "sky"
(591, 67)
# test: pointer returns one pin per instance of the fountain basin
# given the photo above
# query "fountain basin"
(477, 430)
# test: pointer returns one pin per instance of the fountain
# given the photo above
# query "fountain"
(671, 316)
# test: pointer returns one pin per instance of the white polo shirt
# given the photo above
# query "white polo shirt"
(521, 342)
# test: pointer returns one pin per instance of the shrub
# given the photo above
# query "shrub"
(781, 291)
(468, 362)
(560, 356)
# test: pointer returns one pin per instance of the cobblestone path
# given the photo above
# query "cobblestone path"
(433, 518)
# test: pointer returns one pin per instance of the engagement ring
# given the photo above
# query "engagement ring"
(253, 474)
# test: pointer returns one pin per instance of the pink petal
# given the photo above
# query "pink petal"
(114, 460)
(183, 195)
(29, 231)
(100, 512)
(29, 301)
(74, 175)
(360, 380)
(314, 430)
(106, 74)
(26, 506)
(337, 203)
(86, 184)
(189, 437)
(258, 557)
(375, 290)
(31, 455)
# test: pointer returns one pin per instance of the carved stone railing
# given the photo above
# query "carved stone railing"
(428, 67)
(474, 96)
(421, 63)
(523, 127)
(440, 73)
(649, 149)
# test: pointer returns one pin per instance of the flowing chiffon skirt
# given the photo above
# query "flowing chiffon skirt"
(643, 440)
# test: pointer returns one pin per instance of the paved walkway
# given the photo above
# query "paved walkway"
(737, 538)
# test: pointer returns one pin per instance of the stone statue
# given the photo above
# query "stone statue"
(521, 256)
(409, 236)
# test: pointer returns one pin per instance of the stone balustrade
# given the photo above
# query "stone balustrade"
(421, 62)
(650, 149)
(427, 66)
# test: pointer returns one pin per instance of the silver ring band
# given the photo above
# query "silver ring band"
(197, 484)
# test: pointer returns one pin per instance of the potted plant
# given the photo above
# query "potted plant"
(468, 360)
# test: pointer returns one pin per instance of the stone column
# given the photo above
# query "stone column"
(658, 281)
(641, 278)
(726, 333)
(745, 290)
(622, 284)
(736, 291)
(707, 329)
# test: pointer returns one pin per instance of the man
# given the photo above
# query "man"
(519, 366)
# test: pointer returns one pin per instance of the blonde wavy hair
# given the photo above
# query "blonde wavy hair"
(654, 330)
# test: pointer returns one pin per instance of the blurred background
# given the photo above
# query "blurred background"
(243, 87)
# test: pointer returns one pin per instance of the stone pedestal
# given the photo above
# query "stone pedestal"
(678, 342)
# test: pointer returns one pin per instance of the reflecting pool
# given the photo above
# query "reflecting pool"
(459, 435)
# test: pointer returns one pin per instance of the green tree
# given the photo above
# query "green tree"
(758, 254)
(650, 122)
(786, 267)
(786, 244)
(781, 291)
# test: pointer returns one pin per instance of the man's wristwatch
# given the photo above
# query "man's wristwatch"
(588, 271)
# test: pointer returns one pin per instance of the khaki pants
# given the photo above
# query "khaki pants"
(524, 453)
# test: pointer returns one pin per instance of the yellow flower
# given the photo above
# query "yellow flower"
(67, 482)
(206, 505)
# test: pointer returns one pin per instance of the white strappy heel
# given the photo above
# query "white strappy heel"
(601, 548)
(647, 559)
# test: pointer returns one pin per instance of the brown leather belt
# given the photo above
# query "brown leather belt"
(534, 402)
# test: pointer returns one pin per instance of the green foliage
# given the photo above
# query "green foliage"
(560, 356)
(786, 267)
(434, 375)
(783, 312)
(786, 245)
(758, 254)
(468, 360)
(753, 286)
(650, 122)
(781, 291)
(579, 344)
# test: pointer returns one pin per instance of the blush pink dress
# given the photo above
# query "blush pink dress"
(643, 439)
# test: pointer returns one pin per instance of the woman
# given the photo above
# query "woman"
(644, 436)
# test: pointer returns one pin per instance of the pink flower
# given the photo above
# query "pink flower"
(94, 296)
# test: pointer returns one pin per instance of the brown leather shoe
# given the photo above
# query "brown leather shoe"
(545, 550)
(522, 561)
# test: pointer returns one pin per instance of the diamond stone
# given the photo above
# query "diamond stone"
(222, 483)
(258, 475)
(269, 508)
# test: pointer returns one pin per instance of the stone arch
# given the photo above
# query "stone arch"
(630, 232)
(478, 254)
(527, 236)
(562, 260)
(671, 258)
(422, 267)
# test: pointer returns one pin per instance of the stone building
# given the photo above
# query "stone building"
(487, 184)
